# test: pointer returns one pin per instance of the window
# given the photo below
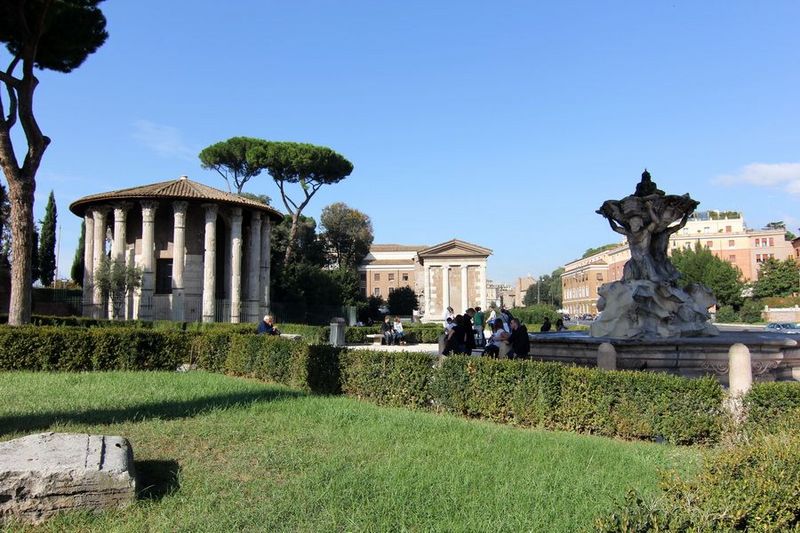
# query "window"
(376, 291)
(405, 276)
(391, 290)
(728, 229)
(771, 241)
(164, 276)
(758, 258)
(391, 277)
(709, 244)
(731, 243)
(376, 277)
(732, 258)
(599, 276)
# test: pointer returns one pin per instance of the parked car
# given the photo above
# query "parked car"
(783, 327)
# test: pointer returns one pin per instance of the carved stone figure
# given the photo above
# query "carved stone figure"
(648, 302)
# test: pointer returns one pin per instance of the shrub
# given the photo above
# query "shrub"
(751, 311)
(767, 404)
(535, 314)
(747, 486)
(400, 379)
(726, 314)
(631, 405)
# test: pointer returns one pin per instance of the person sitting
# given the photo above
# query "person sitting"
(519, 340)
(546, 325)
(398, 330)
(388, 331)
(499, 336)
(267, 327)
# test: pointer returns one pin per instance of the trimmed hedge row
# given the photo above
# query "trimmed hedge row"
(633, 405)
(76, 349)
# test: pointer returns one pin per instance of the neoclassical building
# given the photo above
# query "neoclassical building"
(204, 253)
(452, 273)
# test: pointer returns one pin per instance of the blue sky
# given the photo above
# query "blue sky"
(505, 124)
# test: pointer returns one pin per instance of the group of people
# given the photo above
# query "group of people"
(392, 331)
(464, 333)
(509, 337)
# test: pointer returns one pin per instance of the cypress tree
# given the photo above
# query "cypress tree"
(76, 272)
(34, 254)
(47, 243)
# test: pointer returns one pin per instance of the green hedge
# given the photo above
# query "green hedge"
(633, 405)
(75, 349)
(747, 485)
(768, 403)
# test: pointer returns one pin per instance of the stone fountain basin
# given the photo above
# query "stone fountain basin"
(775, 357)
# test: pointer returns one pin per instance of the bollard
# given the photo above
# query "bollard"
(606, 357)
(337, 332)
(740, 377)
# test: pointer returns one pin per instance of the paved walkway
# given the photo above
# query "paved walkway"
(425, 348)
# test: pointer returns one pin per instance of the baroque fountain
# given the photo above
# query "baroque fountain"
(649, 321)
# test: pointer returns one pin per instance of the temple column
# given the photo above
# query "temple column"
(88, 262)
(98, 252)
(147, 260)
(445, 288)
(264, 273)
(210, 263)
(178, 258)
(118, 253)
(427, 289)
(464, 289)
(253, 267)
(236, 264)
(482, 281)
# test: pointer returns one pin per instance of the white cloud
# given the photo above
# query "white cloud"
(166, 141)
(785, 176)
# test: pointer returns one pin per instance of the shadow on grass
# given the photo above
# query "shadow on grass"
(162, 410)
(157, 479)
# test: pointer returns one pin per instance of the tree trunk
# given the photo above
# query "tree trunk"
(20, 194)
(292, 236)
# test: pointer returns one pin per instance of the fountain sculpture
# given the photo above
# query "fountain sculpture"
(648, 303)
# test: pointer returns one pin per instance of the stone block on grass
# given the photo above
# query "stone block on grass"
(45, 473)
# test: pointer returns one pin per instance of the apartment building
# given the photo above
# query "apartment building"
(724, 233)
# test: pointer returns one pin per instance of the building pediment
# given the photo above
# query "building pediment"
(455, 248)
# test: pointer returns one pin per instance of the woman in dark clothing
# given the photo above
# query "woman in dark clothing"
(519, 340)
(456, 338)
(469, 334)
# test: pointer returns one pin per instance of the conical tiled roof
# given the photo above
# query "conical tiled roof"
(180, 189)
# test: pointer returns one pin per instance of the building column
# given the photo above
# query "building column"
(88, 262)
(98, 252)
(427, 289)
(464, 289)
(445, 288)
(264, 273)
(253, 267)
(236, 264)
(178, 258)
(118, 250)
(210, 264)
(147, 260)
(482, 281)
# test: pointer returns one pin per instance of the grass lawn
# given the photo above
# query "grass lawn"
(226, 454)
